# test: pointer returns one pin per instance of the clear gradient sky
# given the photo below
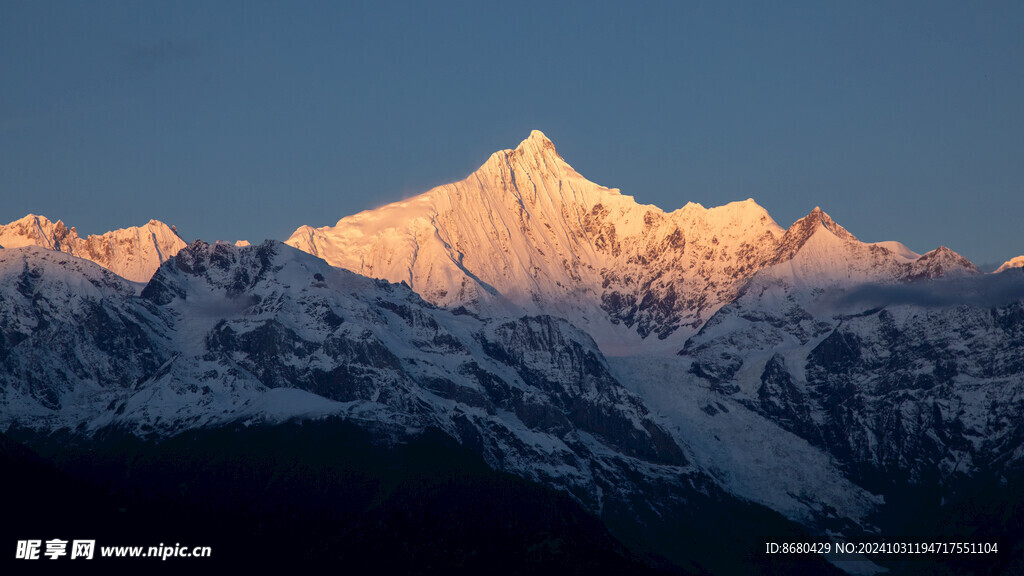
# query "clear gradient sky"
(902, 120)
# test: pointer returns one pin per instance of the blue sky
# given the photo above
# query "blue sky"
(904, 121)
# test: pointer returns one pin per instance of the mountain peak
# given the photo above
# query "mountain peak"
(803, 229)
(534, 155)
(537, 136)
(818, 214)
(832, 226)
(29, 218)
(537, 146)
(1016, 262)
(942, 262)
(818, 218)
(36, 230)
(132, 253)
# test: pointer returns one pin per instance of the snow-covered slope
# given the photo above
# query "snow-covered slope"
(222, 334)
(792, 301)
(750, 454)
(909, 370)
(1015, 262)
(904, 369)
(837, 364)
(816, 252)
(527, 233)
(133, 253)
(266, 333)
(70, 336)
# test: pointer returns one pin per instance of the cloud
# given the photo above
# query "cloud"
(985, 291)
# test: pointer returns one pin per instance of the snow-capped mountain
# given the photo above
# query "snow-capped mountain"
(657, 367)
(1015, 262)
(133, 253)
(818, 260)
(916, 382)
(816, 252)
(222, 334)
(267, 333)
(526, 233)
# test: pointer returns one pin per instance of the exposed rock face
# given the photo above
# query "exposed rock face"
(915, 381)
(222, 334)
(526, 233)
(837, 382)
(133, 253)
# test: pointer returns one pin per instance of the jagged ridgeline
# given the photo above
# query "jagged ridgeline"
(528, 234)
(224, 338)
(133, 253)
(521, 371)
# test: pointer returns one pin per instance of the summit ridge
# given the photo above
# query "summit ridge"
(526, 233)
(133, 253)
